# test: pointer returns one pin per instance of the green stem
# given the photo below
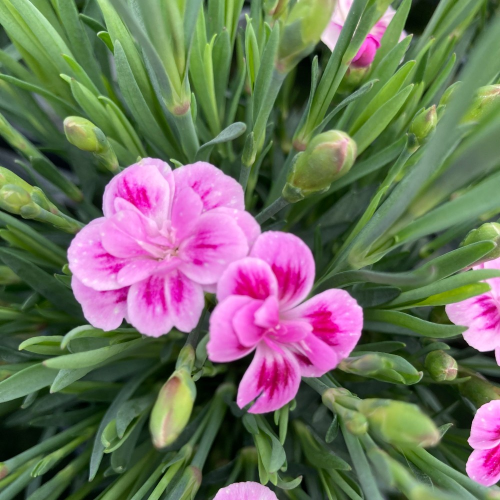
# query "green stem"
(187, 133)
(271, 210)
(244, 175)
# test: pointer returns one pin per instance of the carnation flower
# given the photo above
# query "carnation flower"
(484, 463)
(260, 309)
(245, 491)
(165, 238)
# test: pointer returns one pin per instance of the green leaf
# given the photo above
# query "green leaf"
(49, 345)
(25, 382)
(228, 134)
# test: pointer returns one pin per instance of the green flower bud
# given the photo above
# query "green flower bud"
(188, 485)
(302, 31)
(441, 366)
(399, 423)
(328, 157)
(382, 366)
(356, 423)
(13, 198)
(173, 408)
(477, 389)
(276, 8)
(487, 232)
(486, 99)
(450, 91)
(17, 140)
(8, 177)
(423, 125)
(86, 136)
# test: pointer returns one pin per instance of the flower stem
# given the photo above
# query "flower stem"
(271, 210)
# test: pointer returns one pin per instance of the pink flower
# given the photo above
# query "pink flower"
(245, 491)
(481, 315)
(259, 311)
(366, 53)
(165, 238)
(483, 465)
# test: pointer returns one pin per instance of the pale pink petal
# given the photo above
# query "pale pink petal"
(314, 356)
(268, 314)
(482, 318)
(185, 301)
(136, 270)
(249, 334)
(336, 318)
(245, 221)
(483, 466)
(215, 242)
(245, 491)
(485, 429)
(497, 355)
(272, 379)
(291, 262)
(366, 53)
(215, 188)
(331, 35)
(105, 310)
(144, 187)
(186, 209)
(90, 262)
(224, 344)
(289, 332)
(251, 277)
(147, 309)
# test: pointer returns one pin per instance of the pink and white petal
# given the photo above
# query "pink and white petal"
(272, 380)
(215, 242)
(105, 310)
(186, 210)
(185, 301)
(485, 429)
(366, 53)
(215, 188)
(289, 332)
(249, 276)
(91, 263)
(330, 36)
(314, 356)
(483, 466)
(249, 334)
(336, 319)
(224, 344)
(482, 318)
(291, 262)
(144, 187)
(245, 221)
(147, 308)
(268, 314)
(245, 491)
(136, 270)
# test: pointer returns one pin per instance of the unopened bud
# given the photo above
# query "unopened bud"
(441, 366)
(13, 198)
(302, 31)
(424, 124)
(276, 8)
(173, 408)
(83, 134)
(449, 93)
(399, 423)
(8, 177)
(477, 389)
(188, 485)
(487, 232)
(328, 157)
(486, 99)
(382, 366)
(356, 423)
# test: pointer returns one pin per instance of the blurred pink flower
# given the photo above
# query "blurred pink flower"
(481, 315)
(165, 238)
(483, 465)
(260, 309)
(245, 491)
(368, 49)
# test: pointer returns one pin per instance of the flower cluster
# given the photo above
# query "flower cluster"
(169, 236)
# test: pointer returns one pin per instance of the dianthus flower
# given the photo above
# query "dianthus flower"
(245, 491)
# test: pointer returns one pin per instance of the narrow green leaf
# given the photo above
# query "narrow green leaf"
(228, 134)
(26, 381)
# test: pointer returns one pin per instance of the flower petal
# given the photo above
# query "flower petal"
(136, 270)
(245, 221)
(245, 491)
(90, 262)
(336, 319)
(186, 209)
(268, 314)
(482, 317)
(143, 186)
(485, 429)
(291, 262)
(147, 307)
(366, 53)
(272, 379)
(185, 301)
(224, 344)
(249, 334)
(105, 310)
(215, 242)
(215, 188)
(314, 356)
(251, 277)
(330, 36)
(483, 466)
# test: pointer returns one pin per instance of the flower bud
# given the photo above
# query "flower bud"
(173, 408)
(399, 423)
(487, 232)
(188, 485)
(302, 31)
(13, 198)
(448, 94)
(486, 99)
(328, 157)
(424, 124)
(8, 177)
(477, 389)
(276, 8)
(83, 134)
(355, 422)
(441, 366)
